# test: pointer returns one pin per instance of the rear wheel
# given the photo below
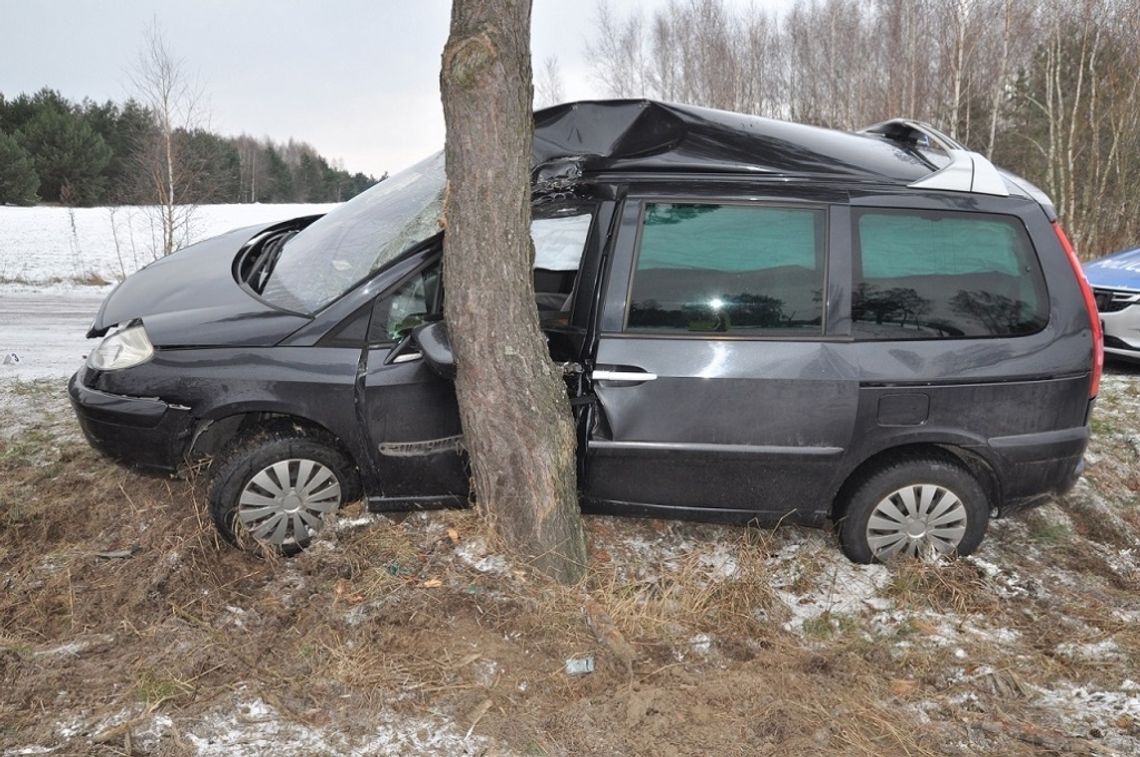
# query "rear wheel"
(917, 507)
(277, 489)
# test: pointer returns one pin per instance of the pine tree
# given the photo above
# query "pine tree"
(67, 153)
(18, 179)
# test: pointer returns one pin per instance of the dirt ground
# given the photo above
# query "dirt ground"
(126, 628)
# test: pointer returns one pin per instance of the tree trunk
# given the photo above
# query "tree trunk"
(516, 416)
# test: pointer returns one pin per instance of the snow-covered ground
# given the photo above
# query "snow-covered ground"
(45, 331)
(47, 245)
(57, 265)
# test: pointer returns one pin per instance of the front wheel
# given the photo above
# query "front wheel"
(915, 507)
(277, 489)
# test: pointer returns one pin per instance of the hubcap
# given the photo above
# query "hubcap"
(916, 519)
(285, 502)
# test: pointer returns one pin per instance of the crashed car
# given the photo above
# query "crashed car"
(760, 322)
(1115, 280)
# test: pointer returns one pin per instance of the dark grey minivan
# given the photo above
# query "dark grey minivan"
(761, 321)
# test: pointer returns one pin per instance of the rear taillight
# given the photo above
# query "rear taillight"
(1090, 306)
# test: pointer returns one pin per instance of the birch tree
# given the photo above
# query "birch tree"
(168, 169)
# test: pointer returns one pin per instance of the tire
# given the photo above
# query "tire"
(275, 489)
(913, 507)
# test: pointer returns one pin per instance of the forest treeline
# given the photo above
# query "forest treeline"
(1049, 89)
(89, 153)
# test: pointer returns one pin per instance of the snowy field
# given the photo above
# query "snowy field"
(57, 265)
(50, 245)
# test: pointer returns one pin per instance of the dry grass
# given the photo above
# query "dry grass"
(689, 625)
(89, 278)
(952, 586)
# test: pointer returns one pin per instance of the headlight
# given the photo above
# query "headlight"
(123, 349)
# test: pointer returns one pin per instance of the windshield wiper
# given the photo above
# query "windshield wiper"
(266, 260)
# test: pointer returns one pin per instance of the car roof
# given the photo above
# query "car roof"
(645, 135)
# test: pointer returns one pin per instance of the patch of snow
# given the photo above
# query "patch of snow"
(1128, 616)
(1123, 562)
(73, 648)
(1090, 710)
(347, 524)
(879, 604)
(833, 585)
(663, 552)
(474, 552)
(147, 735)
(701, 644)
(69, 726)
(255, 727)
(1005, 582)
(720, 562)
(234, 617)
(486, 672)
(1106, 649)
(941, 629)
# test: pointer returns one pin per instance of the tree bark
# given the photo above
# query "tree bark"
(516, 418)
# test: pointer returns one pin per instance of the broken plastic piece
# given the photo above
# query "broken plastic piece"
(576, 666)
(966, 172)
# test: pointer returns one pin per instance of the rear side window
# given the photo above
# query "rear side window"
(737, 270)
(944, 275)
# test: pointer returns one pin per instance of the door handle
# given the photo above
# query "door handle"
(623, 376)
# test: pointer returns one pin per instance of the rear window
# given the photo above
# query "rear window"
(944, 275)
(740, 270)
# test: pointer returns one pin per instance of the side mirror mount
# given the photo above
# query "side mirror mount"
(435, 345)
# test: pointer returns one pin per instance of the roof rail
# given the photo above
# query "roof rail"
(967, 171)
(915, 133)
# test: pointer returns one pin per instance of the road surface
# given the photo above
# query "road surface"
(45, 331)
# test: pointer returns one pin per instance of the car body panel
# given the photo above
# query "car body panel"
(412, 421)
(191, 298)
(1115, 280)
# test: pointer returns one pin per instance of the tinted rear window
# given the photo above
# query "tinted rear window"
(931, 275)
(733, 269)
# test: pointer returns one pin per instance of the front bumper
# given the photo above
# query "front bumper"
(135, 431)
(1121, 324)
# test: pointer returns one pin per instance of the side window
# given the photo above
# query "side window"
(407, 307)
(939, 275)
(740, 270)
(559, 234)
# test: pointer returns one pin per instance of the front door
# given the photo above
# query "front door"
(410, 413)
(720, 384)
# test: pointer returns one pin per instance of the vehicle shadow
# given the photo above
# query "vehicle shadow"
(1121, 367)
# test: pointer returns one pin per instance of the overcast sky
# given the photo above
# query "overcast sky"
(358, 79)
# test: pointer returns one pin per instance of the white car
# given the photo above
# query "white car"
(1115, 280)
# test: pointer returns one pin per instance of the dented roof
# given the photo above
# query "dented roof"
(644, 135)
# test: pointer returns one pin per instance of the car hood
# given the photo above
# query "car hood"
(1119, 271)
(191, 299)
